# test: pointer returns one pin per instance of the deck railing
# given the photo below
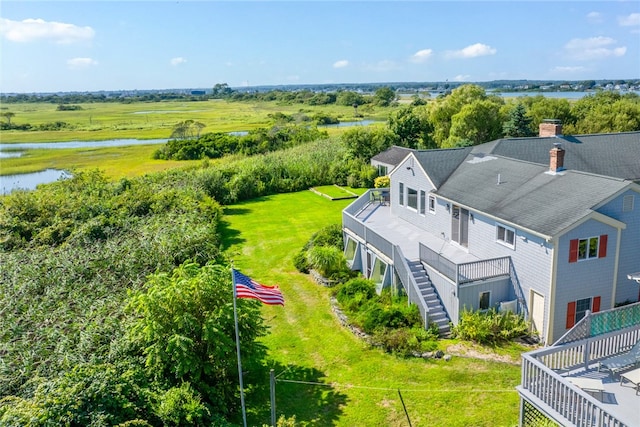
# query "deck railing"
(592, 347)
(544, 387)
(466, 272)
(560, 400)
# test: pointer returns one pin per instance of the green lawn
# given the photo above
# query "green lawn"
(358, 386)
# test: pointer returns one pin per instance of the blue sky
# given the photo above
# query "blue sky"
(51, 46)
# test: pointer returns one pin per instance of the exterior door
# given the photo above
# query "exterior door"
(537, 311)
(460, 225)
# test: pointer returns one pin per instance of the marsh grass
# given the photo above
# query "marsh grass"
(149, 120)
(115, 162)
(356, 385)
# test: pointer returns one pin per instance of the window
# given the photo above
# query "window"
(350, 250)
(485, 300)
(576, 310)
(432, 204)
(382, 170)
(401, 194)
(423, 197)
(412, 198)
(589, 248)
(506, 235)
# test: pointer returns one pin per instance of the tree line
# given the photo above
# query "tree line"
(469, 116)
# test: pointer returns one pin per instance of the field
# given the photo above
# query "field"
(141, 120)
(326, 375)
(150, 120)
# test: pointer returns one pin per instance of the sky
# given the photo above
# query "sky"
(56, 46)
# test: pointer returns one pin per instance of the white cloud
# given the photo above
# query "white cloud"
(461, 78)
(566, 69)
(593, 48)
(30, 30)
(472, 51)
(421, 55)
(79, 63)
(341, 64)
(177, 61)
(629, 21)
(594, 17)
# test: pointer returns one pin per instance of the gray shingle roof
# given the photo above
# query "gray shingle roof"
(616, 155)
(527, 196)
(440, 164)
(392, 155)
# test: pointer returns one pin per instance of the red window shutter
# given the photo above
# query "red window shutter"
(571, 314)
(602, 250)
(596, 304)
(573, 250)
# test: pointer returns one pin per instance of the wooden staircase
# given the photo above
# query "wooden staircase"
(437, 313)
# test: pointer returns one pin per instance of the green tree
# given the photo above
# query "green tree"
(412, 128)
(187, 129)
(8, 115)
(540, 108)
(221, 90)
(184, 326)
(349, 98)
(365, 142)
(384, 96)
(518, 123)
(478, 122)
(441, 111)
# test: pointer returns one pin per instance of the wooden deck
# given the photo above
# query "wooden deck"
(597, 397)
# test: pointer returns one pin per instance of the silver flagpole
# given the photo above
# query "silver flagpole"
(235, 318)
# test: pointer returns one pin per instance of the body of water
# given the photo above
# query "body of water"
(347, 124)
(79, 144)
(29, 181)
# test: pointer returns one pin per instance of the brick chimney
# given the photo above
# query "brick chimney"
(550, 127)
(556, 158)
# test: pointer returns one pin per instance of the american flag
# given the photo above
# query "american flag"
(246, 287)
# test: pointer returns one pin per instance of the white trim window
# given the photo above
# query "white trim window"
(412, 198)
(401, 194)
(506, 235)
(588, 248)
(423, 201)
(432, 204)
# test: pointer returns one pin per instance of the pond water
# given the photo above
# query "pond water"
(80, 144)
(346, 124)
(29, 181)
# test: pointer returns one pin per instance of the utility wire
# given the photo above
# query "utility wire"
(337, 385)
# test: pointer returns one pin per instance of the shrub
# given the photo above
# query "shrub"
(490, 327)
(355, 292)
(382, 182)
(300, 262)
(326, 260)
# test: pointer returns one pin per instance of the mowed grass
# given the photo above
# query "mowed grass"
(326, 375)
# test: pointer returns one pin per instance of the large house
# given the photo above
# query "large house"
(547, 226)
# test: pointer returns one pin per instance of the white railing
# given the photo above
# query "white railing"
(564, 400)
